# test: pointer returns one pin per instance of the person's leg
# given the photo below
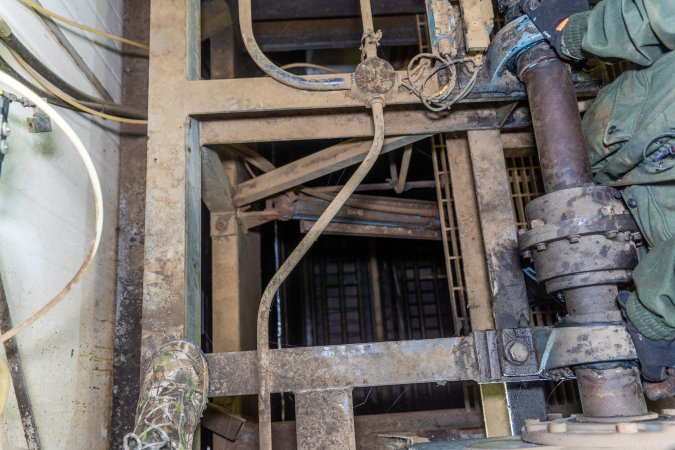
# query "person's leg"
(173, 397)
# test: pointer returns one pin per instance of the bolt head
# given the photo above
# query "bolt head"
(4, 147)
(612, 234)
(527, 256)
(536, 223)
(517, 352)
(573, 239)
(5, 130)
(541, 247)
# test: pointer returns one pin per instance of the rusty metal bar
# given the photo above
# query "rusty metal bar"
(476, 357)
(403, 172)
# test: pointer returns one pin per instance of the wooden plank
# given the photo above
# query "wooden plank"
(313, 166)
(216, 191)
(478, 21)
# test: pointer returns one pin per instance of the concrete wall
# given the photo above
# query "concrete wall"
(46, 223)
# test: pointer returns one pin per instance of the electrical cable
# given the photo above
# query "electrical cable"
(44, 11)
(325, 84)
(438, 101)
(48, 74)
(116, 110)
(61, 96)
(303, 65)
(264, 408)
(15, 85)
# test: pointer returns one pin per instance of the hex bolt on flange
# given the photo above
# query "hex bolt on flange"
(517, 352)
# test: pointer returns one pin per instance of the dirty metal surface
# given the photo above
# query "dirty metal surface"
(480, 357)
(325, 419)
(375, 76)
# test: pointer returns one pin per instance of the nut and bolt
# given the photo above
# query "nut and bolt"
(626, 427)
(637, 237)
(527, 256)
(5, 130)
(517, 352)
(541, 247)
(574, 239)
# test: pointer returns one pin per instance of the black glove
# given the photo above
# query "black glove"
(550, 17)
(655, 356)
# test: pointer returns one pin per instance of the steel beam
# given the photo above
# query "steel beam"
(498, 224)
(480, 357)
(325, 420)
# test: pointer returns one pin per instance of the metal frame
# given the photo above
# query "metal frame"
(187, 115)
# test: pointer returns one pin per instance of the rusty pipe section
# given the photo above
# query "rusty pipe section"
(555, 119)
(585, 264)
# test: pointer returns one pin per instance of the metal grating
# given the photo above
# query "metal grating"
(450, 237)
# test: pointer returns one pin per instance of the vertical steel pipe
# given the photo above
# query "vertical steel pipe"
(555, 119)
(605, 391)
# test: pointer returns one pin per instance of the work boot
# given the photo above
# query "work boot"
(172, 399)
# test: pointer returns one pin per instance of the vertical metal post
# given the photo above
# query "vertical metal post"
(507, 284)
(325, 420)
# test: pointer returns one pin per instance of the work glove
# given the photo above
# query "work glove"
(657, 357)
(551, 16)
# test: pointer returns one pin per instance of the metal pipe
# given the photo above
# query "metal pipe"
(604, 391)
(264, 407)
(369, 42)
(555, 119)
(611, 392)
(342, 82)
(403, 173)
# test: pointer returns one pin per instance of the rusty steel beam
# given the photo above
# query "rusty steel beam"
(480, 357)
(348, 124)
(325, 419)
(500, 240)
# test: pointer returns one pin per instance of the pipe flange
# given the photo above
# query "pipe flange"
(571, 433)
(581, 236)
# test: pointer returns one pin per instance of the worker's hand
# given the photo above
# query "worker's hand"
(551, 16)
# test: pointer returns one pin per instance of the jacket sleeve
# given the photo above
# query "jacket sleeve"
(640, 31)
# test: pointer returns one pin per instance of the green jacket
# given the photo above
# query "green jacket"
(626, 115)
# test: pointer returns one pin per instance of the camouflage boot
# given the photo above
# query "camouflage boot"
(173, 397)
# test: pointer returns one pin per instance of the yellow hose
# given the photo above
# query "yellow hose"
(44, 11)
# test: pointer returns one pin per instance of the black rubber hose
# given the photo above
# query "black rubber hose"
(115, 110)
(15, 44)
